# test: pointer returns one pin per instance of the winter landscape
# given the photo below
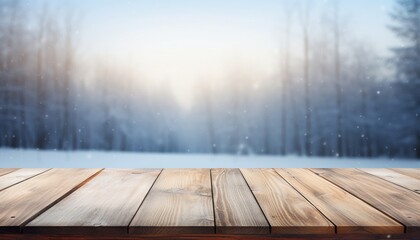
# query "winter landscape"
(271, 83)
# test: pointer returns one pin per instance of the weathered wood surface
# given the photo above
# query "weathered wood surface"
(236, 209)
(18, 176)
(106, 204)
(401, 204)
(395, 177)
(180, 201)
(348, 213)
(4, 171)
(406, 236)
(181, 236)
(23, 202)
(223, 203)
(411, 172)
(287, 211)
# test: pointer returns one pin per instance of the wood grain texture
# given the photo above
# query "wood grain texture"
(26, 200)
(397, 202)
(106, 204)
(94, 204)
(395, 177)
(411, 172)
(236, 210)
(210, 237)
(18, 176)
(180, 201)
(4, 171)
(348, 213)
(286, 210)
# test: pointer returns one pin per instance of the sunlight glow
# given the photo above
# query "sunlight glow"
(185, 43)
(185, 56)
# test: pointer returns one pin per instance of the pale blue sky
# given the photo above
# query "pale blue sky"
(182, 40)
(108, 23)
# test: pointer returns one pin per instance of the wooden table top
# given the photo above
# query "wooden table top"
(209, 203)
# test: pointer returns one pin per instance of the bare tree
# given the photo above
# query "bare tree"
(406, 16)
(305, 23)
(40, 83)
(67, 138)
(337, 70)
(288, 8)
(364, 79)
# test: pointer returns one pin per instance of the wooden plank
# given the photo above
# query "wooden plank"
(18, 236)
(18, 176)
(401, 204)
(106, 204)
(348, 213)
(395, 177)
(21, 203)
(4, 171)
(236, 210)
(180, 201)
(411, 172)
(285, 209)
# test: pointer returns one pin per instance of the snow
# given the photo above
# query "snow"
(97, 159)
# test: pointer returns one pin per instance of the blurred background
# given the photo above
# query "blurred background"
(334, 78)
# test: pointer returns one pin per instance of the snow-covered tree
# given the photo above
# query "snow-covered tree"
(406, 26)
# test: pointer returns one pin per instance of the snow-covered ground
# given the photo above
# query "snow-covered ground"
(89, 159)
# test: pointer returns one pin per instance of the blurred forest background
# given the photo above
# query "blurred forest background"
(331, 95)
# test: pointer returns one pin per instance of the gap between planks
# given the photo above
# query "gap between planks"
(105, 205)
(25, 201)
(397, 202)
(212, 191)
(20, 175)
